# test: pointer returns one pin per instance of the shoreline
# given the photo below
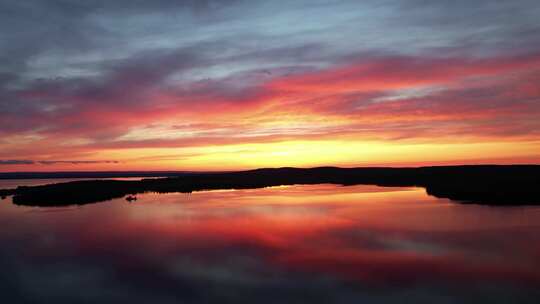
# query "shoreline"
(508, 185)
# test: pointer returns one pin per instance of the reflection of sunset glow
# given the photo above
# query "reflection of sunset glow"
(388, 238)
(340, 238)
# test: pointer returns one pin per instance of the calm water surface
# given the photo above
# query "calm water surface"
(294, 244)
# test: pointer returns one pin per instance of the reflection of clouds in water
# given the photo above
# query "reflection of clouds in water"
(220, 247)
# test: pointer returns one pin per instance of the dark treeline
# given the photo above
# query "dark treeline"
(494, 185)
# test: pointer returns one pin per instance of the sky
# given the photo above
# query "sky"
(224, 85)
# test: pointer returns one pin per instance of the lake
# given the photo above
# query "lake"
(290, 244)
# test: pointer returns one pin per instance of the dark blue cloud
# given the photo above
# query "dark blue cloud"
(54, 162)
(16, 162)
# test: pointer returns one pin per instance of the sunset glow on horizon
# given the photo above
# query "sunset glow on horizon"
(230, 85)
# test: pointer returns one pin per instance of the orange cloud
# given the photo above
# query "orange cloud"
(386, 103)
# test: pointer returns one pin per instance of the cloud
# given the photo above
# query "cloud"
(84, 78)
(76, 162)
(375, 98)
(16, 162)
(54, 162)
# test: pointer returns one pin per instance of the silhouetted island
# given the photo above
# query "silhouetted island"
(486, 184)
